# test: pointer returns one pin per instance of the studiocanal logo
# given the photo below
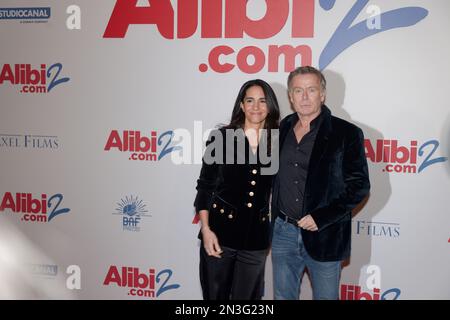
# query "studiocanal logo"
(44, 270)
(26, 14)
(132, 211)
(50, 271)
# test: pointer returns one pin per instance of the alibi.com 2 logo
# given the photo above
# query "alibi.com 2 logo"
(32, 209)
(31, 79)
(372, 290)
(148, 284)
(412, 158)
(141, 146)
(222, 20)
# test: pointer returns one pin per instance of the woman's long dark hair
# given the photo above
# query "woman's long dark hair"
(273, 117)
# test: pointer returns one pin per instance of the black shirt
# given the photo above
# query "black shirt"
(294, 162)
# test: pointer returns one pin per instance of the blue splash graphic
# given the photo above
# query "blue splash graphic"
(345, 36)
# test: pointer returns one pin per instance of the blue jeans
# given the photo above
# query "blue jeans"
(289, 258)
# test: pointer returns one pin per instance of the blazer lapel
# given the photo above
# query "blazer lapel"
(286, 127)
(321, 143)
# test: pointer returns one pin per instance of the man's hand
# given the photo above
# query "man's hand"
(307, 223)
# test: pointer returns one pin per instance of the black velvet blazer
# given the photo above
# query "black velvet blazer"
(236, 196)
(337, 181)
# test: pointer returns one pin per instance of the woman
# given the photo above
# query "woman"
(233, 198)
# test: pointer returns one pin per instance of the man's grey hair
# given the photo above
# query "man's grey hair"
(307, 70)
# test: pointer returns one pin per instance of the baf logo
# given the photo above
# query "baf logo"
(41, 79)
(232, 19)
(131, 209)
(372, 287)
(141, 146)
(149, 283)
(403, 159)
(42, 209)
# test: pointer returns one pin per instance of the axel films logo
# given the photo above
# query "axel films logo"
(26, 14)
(29, 141)
(132, 210)
(33, 209)
(222, 20)
(141, 146)
(32, 79)
(148, 283)
(398, 158)
(376, 229)
(372, 290)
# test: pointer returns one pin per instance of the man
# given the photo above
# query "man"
(323, 175)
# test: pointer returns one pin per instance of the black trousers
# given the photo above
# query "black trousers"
(237, 275)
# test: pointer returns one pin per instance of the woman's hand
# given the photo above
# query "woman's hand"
(211, 243)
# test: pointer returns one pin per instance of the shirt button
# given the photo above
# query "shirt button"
(222, 211)
(296, 200)
(251, 193)
(214, 205)
(230, 216)
(253, 182)
(296, 164)
(254, 171)
(249, 204)
(295, 181)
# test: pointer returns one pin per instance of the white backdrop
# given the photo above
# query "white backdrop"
(129, 231)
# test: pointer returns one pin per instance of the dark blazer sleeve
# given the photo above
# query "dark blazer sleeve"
(207, 182)
(356, 182)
